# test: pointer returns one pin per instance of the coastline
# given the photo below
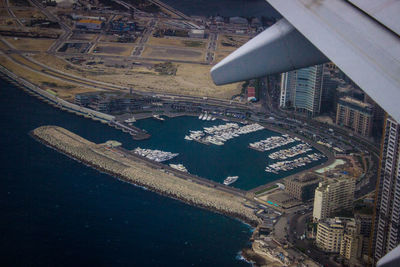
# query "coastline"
(227, 204)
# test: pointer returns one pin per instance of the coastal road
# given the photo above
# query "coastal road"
(170, 9)
(54, 73)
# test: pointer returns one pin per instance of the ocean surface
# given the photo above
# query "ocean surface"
(212, 161)
(58, 212)
(228, 8)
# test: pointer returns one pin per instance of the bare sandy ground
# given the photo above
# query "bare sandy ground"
(30, 44)
(190, 79)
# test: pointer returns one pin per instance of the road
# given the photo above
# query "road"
(170, 9)
(67, 32)
(9, 10)
(143, 40)
(211, 47)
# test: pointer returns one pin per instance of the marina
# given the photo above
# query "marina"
(288, 165)
(185, 135)
(291, 152)
(273, 142)
(206, 117)
(219, 134)
(156, 155)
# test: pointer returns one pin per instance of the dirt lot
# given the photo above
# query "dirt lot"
(113, 49)
(230, 42)
(7, 22)
(21, 3)
(83, 36)
(182, 42)
(173, 53)
(31, 13)
(111, 38)
(221, 55)
(64, 90)
(3, 12)
(30, 44)
(77, 47)
(190, 79)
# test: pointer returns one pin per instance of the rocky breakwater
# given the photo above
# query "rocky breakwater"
(127, 168)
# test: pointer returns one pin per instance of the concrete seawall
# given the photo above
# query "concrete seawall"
(117, 164)
(70, 107)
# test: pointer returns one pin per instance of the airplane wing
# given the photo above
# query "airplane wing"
(360, 36)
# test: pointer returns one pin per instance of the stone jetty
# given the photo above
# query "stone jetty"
(133, 170)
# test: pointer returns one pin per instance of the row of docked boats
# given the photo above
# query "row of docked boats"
(291, 152)
(155, 155)
(219, 134)
(273, 142)
(206, 117)
(288, 165)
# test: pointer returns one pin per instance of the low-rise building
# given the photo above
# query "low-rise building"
(333, 195)
(238, 20)
(112, 102)
(351, 245)
(90, 24)
(340, 235)
(330, 234)
(302, 187)
(364, 221)
(196, 33)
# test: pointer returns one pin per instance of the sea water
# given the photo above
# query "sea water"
(56, 211)
(213, 162)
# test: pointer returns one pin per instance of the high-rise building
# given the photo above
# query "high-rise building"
(329, 85)
(379, 117)
(387, 218)
(287, 87)
(301, 90)
(355, 114)
(333, 195)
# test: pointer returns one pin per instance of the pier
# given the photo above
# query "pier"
(157, 177)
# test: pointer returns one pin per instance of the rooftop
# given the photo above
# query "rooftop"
(356, 102)
(90, 21)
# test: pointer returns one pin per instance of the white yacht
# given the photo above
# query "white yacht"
(230, 180)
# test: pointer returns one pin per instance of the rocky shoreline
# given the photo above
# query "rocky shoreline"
(166, 184)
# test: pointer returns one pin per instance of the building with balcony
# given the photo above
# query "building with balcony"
(333, 195)
(387, 224)
(355, 114)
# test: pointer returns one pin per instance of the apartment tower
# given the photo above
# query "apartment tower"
(333, 195)
(387, 218)
(301, 90)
